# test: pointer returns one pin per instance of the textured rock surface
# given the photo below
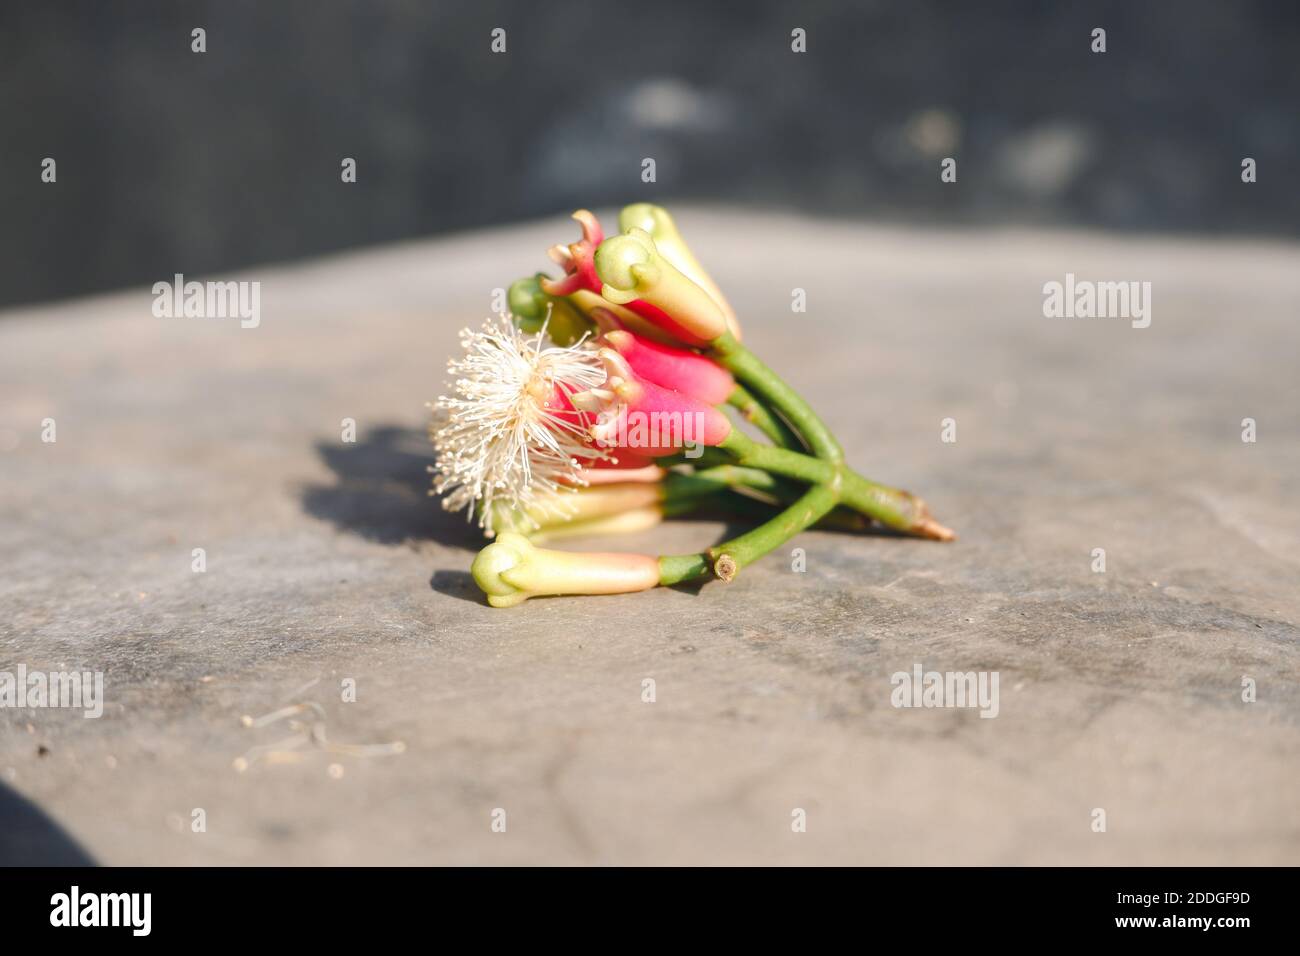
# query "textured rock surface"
(325, 561)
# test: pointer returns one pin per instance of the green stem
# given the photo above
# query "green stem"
(721, 502)
(755, 375)
(782, 461)
(892, 507)
(740, 505)
(728, 558)
(755, 412)
(676, 568)
(735, 554)
(723, 483)
(721, 477)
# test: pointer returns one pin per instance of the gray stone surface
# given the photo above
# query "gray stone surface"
(326, 561)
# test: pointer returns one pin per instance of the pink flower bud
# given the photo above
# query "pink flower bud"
(653, 420)
(577, 259)
(578, 262)
(682, 370)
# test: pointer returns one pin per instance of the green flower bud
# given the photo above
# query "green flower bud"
(659, 225)
(631, 267)
(512, 569)
(530, 305)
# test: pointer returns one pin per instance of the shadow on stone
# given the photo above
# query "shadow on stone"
(30, 838)
(381, 491)
(457, 584)
(693, 587)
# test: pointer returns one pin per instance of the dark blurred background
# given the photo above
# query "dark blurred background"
(171, 161)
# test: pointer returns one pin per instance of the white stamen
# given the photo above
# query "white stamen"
(500, 442)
